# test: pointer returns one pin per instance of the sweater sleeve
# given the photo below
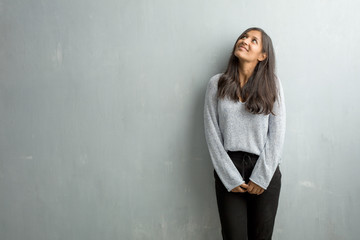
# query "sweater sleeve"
(221, 161)
(271, 154)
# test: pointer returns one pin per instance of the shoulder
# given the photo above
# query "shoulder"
(278, 81)
(214, 80)
(280, 90)
(278, 84)
(216, 77)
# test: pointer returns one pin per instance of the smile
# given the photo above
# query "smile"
(243, 48)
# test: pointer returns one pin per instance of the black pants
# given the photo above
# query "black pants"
(246, 216)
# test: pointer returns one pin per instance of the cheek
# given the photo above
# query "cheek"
(256, 50)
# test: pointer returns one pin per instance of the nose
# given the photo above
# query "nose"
(245, 41)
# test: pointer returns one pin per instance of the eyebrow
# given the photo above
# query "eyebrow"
(253, 36)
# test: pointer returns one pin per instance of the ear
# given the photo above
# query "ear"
(262, 57)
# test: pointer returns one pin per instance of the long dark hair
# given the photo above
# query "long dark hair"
(260, 90)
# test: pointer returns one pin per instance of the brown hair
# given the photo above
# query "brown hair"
(259, 92)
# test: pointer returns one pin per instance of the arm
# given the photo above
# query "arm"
(221, 161)
(271, 154)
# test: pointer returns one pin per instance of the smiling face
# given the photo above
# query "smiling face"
(249, 47)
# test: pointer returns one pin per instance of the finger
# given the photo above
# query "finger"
(244, 185)
(251, 191)
(255, 190)
(237, 189)
(256, 186)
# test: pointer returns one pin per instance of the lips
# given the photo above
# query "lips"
(242, 46)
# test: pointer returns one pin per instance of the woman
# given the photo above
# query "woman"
(244, 120)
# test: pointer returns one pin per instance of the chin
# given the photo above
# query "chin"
(239, 56)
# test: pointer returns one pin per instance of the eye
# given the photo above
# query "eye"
(255, 40)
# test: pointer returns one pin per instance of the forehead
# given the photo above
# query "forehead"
(254, 33)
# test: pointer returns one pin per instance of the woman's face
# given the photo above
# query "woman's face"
(249, 47)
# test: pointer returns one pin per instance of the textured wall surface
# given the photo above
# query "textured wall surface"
(101, 128)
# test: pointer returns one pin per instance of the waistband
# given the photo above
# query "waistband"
(242, 154)
(242, 159)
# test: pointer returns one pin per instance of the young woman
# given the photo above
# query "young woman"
(244, 120)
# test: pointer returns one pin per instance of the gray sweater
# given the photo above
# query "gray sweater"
(229, 126)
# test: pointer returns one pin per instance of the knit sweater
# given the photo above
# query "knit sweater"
(230, 127)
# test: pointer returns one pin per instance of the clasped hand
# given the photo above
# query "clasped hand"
(251, 188)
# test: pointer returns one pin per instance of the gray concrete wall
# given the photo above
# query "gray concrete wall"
(101, 128)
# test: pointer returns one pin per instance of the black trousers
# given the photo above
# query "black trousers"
(246, 216)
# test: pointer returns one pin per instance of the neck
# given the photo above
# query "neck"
(245, 71)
